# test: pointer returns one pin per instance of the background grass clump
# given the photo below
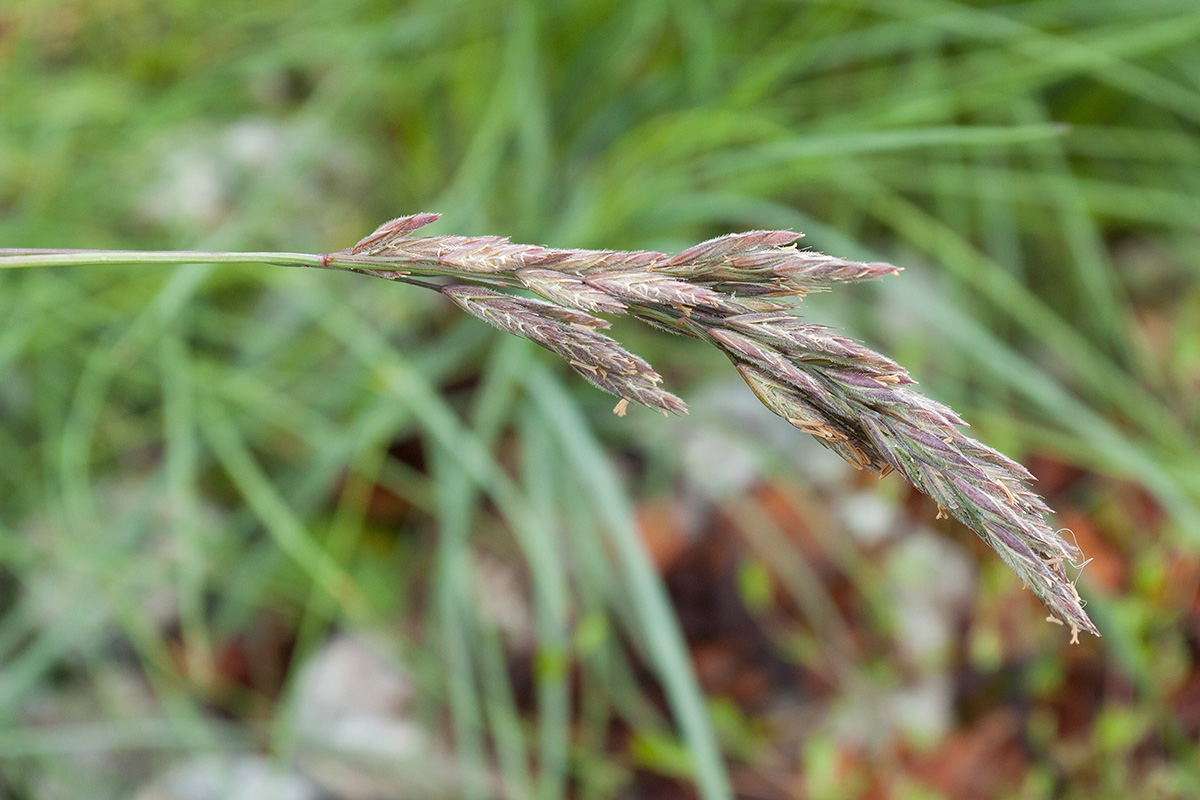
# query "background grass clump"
(230, 496)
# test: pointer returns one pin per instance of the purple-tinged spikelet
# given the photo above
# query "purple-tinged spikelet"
(387, 235)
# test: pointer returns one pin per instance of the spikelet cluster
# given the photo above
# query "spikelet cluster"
(735, 292)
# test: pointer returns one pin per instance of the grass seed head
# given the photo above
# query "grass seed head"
(855, 401)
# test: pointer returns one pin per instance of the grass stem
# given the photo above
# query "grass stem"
(17, 258)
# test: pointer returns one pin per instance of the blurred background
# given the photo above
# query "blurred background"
(273, 533)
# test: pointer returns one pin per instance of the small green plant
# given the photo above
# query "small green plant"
(737, 293)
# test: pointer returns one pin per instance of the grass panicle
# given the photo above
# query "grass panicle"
(734, 292)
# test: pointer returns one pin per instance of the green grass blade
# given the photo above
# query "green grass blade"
(662, 637)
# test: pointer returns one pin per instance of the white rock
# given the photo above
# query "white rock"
(868, 516)
(354, 696)
(356, 735)
(933, 582)
(244, 777)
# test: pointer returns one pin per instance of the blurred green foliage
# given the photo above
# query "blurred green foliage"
(187, 453)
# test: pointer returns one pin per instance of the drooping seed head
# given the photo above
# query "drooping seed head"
(726, 291)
